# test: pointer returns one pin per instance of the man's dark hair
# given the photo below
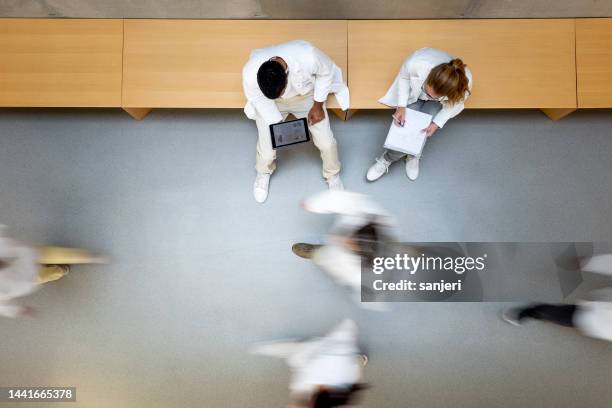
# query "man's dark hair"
(330, 398)
(271, 79)
(322, 400)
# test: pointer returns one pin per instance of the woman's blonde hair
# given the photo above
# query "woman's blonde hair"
(449, 80)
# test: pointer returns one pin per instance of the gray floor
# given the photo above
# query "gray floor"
(314, 9)
(200, 271)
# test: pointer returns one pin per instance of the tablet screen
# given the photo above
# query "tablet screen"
(288, 133)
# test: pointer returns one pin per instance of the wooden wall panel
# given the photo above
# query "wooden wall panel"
(198, 63)
(515, 63)
(594, 62)
(56, 62)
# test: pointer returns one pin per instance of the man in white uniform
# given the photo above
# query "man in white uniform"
(292, 78)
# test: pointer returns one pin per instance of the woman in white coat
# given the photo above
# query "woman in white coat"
(430, 81)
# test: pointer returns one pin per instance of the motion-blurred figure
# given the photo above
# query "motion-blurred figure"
(592, 316)
(358, 233)
(601, 264)
(23, 268)
(325, 372)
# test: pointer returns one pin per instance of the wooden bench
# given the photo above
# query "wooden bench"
(60, 63)
(515, 63)
(594, 62)
(556, 65)
(198, 63)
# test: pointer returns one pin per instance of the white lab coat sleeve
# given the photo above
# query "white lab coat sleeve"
(324, 69)
(257, 103)
(399, 92)
(403, 85)
(267, 109)
(403, 91)
(450, 111)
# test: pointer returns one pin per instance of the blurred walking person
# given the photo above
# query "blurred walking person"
(359, 232)
(591, 316)
(23, 268)
(325, 372)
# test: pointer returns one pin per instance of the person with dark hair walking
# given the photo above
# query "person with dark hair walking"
(292, 78)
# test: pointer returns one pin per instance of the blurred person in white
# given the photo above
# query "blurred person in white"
(592, 315)
(23, 268)
(360, 229)
(292, 78)
(326, 371)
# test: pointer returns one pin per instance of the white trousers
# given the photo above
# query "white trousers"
(321, 134)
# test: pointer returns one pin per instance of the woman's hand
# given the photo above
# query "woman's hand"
(399, 117)
(431, 129)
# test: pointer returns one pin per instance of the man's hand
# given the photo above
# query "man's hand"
(316, 113)
(431, 129)
(399, 117)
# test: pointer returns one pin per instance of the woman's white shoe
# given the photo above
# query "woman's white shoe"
(377, 170)
(412, 168)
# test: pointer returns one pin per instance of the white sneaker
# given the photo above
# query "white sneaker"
(335, 183)
(378, 169)
(260, 187)
(412, 168)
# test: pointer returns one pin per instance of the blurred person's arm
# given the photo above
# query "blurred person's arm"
(12, 311)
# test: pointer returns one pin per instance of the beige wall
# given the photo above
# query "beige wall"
(313, 9)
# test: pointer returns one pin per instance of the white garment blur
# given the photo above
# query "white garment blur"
(310, 70)
(354, 211)
(601, 264)
(332, 361)
(408, 85)
(594, 315)
(18, 278)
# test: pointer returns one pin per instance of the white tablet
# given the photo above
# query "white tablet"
(288, 133)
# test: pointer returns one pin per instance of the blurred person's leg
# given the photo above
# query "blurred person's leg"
(53, 255)
(50, 273)
(342, 263)
(304, 250)
(280, 349)
(559, 314)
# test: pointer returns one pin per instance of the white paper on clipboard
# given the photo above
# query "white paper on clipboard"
(409, 138)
